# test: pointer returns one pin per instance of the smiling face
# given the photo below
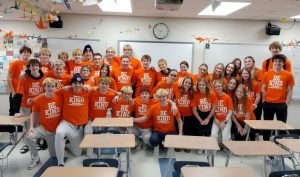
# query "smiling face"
(229, 69)
(145, 96)
(125, 63)
(278, 64)
(50, 88)
(59, 71)
(44, 58)
(97, 60)
(34, 69)
(88, 54)
(201, 86)
(232, 84)
(77, 86)
(187, 83)
(103, 86)
(77, 58)
(275, 50)
(85, 72)
(146, 63)
(162, 65)
(202, 70)
(239, 92)
(172, 76)
(219, 70)
(183, 68)
(25, 55)
(249, 63)
(245, 75)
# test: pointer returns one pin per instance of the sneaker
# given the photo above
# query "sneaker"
(156, 151)
(24, 149)
(61, 165)
(34, 163)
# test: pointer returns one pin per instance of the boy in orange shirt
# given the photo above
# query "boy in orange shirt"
(222, 121)
(277, 91)
(44, 55)
(145, 76)
(75, 116)
(58, 73)
(275, 48)
(110, 58)
(134, 63)
(123, 75)
(88, 54)
(74, 65)
(163, 120)
(14, 71)
(47, 109)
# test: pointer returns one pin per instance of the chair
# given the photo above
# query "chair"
(102, 163)
(179, 164)
(292, 173)
(292, 156)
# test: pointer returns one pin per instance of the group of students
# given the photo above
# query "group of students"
(63, 97)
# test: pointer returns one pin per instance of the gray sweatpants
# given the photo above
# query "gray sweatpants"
(40, 132)
(144, 133)
(74, 134)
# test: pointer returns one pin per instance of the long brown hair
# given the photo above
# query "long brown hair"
(248, 81)
(244, 98)
(191, 89)
(207, 89)
(253, 73)
(214, 73)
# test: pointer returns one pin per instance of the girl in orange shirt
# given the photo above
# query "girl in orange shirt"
(204, 106)
(105, 72)
(163, 120)
(230, 71)
(232, 83)
(168, 84)
(238, 65)
(184, 66)
(217, 75)
(222, 121)
(202, 73)
(243, 110)
(183, 97)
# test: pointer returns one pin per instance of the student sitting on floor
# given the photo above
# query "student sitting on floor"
(47, 109)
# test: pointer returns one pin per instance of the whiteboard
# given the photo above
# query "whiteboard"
(173, 52)
(226, 52)
(57, 45)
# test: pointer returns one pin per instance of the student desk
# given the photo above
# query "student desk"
(190, 142)
(110, 141)
(13, 121)
(294, 147)
(217, 171)
(112, 122)
(80, 172)
(253, 148)
(267, 125)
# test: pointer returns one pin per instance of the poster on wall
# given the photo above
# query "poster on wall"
(9, 51)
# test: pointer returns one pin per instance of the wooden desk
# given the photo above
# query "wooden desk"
(267, 125)
(108, 141)
(190, 142)
(217, 171)
(253, 148)
(113, 122)
(80, 172)
(14, 121)
(292, 144)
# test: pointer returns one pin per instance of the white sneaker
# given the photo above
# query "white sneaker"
(34, 163)
(156, 151)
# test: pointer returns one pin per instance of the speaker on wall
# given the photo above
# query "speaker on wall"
(272, 29)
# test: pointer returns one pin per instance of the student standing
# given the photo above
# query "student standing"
(184, 66)
(134, 63)
(217, 75)
(88, 54)
(277, 91)
(75, 116)
(96, 64)
(58, 73)
(164, 71)
(44, 56)
(230, 71)
(231, 86)
(47, 109)
(169, 84)
(202, 73)
(105, 72)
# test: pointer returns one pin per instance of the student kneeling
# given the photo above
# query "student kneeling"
(47, 107)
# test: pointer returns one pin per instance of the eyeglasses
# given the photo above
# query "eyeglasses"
(174, 75)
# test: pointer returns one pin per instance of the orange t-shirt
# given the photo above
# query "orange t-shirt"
(144, 78)
(46, 69)
(122, 109)
(134, 63)
(140, 110)
(163, 118)
(114, 64)
(258, 75)
(183, 102)
(113, 84)
(49, 110)
(30, 88)
(75, 106)
(276, 85)
(122, 77)
(15, 68)
(224, 105)
(241, 114)
(196, 78)
(99, 103)
(167, 86)
(288, 64)
(161, 77)
(74, 67)
(89, 82)
(62, 81)
(256, 88)
(181, 76)
(95, 71)
(203, 102)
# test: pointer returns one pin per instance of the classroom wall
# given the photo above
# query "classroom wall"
(109, 28)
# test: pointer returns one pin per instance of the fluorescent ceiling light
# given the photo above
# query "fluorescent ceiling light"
(225, 8)
(297, 16)
(115, 6)
(1, 16)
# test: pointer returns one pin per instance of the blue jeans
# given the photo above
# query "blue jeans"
(156, 138)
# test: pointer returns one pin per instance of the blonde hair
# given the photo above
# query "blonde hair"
(162, 60)
(111, 49)
(44, 51)
(124, 56)
(77, 51)
(162, 92)
(59, 63)
(276, 45)
(63, 53)
(126, 89)
(105, 79)
(127, 46)
(50, 81)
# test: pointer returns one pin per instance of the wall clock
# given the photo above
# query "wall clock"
(160, 30)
